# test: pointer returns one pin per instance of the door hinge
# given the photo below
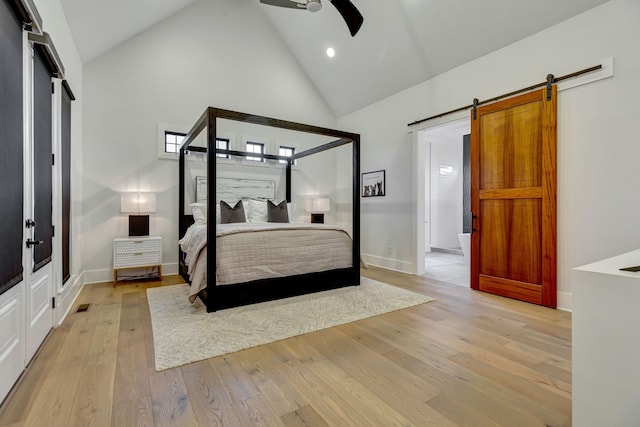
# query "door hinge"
(475, 108)
(53, 231)
(53, 159)
(53, 88)
(53, 302)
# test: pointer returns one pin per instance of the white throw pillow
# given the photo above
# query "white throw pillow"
(199, 211)
(257, 211)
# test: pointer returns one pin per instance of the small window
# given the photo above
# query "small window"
(223, 144)
(173, 141)
(286, 151)
(255, 147)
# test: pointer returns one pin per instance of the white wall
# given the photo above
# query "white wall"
(598, 147)
(219, 53)
(55, 23)
(446, 193)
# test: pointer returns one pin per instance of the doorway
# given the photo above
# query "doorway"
(442, 191)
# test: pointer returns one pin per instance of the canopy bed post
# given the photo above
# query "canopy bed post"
(182, 218)
(356, 208)
(211, 199)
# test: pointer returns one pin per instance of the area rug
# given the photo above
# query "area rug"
(185, 333)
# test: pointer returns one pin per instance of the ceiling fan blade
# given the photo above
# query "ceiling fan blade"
(351, 15)
(284, 3)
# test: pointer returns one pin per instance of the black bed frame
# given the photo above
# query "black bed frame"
(221, 297)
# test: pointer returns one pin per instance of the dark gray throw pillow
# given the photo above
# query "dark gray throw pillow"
(230, 214)
(277, 213)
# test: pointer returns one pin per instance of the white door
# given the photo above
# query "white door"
(37, 269)
(12, 351)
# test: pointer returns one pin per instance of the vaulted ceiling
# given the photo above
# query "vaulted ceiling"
(401, 43)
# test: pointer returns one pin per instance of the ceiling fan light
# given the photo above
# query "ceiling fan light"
(314, 5)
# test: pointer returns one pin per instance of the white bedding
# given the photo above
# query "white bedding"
(254, 251)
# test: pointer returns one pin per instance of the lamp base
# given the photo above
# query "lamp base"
(317, 218)
(138, 225)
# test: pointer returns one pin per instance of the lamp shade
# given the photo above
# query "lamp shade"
(138, 202)
(320, 204)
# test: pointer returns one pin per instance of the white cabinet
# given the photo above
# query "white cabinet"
(136, 252)
(606, 343)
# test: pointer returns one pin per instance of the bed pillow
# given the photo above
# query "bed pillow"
(257, 211)
(199, 211)
(230, 214)
(277, 213)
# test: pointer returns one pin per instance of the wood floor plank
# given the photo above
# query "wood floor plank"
(57, 394)
(326, 402)
(457, 338)
(302, 417)
(131, 377)
(468, 358)
(233, 378)
(145, 325)
(170, 400)
(397, 387)
(453, 406)
(375, 410)
(552, 404)
(94, 397)
(54, 400)
(259, 363)
(210, 401)
(260, 413)
(137, 413)
(21, 400)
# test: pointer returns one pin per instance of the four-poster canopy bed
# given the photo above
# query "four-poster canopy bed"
(316, 275)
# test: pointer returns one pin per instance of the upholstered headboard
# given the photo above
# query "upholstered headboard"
(232, 189)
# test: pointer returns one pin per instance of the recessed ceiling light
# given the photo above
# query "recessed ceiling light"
(330, 52)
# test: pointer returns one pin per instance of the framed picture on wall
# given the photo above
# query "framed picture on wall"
(373, 184)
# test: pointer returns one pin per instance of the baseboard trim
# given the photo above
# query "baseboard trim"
(106, 274)
(564, 301)
(389, 263)
(452, 251)
(67, 296)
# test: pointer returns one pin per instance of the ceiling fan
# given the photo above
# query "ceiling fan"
(351, 15)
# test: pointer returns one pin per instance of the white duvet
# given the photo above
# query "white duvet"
(254, 251)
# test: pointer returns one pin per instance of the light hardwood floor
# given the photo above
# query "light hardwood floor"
(467, 358)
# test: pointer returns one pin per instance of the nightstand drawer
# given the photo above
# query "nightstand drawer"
(137, 259)
(135, 246)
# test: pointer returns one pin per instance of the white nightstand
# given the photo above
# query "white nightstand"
(136, 252)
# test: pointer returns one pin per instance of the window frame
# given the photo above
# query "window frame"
(176, 134)
(228, 147)
(256, 144)
(163, 128)
(286, 147)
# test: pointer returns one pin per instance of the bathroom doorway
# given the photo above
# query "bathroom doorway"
(446, 186)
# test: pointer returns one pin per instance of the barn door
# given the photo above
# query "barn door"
(513, 198)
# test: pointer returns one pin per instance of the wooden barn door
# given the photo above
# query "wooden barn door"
(513, 198)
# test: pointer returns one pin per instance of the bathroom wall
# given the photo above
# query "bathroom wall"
(446, 191)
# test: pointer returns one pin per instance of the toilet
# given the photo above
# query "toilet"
(465, 244)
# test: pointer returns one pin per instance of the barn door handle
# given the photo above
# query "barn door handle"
(473, 222)
(34, 242)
